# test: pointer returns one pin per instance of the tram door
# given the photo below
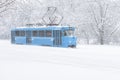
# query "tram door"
(28, 37)
(57, 38)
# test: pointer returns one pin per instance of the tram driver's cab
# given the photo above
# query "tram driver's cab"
(69, 39)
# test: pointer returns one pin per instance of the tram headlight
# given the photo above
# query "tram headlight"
(70, 41)
(52, 39)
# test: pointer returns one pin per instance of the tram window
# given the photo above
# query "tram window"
(35, 33)
(17, 33)
(65, 33)
(41, 33)
(48, 33)
(22, 33)
(68, 33)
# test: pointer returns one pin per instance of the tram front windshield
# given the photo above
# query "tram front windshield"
(69, 33)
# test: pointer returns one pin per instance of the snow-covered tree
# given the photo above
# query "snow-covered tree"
(5, 5)
(103, 19)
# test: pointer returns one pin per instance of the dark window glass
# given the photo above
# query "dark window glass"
(41, 33)
(48, 33)
(68, 33)
(35, 33)
(17, 33)
(65, 33)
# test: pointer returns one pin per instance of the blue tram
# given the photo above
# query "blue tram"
(45, 36)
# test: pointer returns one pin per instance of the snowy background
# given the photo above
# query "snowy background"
(96, 21)
(23, 62)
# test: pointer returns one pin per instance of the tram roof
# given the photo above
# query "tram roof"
(44, 28)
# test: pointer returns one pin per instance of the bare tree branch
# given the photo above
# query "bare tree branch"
(94, 16)
(39, 2)
(114, 30)
(4, 6)
(3, 10)
(6, 3)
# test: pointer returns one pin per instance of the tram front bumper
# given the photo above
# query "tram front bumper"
(69, 41)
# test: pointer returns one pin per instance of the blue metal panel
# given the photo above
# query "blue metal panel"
(20, 40)
(68, 41)
(42, 41)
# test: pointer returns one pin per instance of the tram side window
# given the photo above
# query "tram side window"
(41, 33)
(17, 33)
(48, 33)
(35, 33)
(68, 33)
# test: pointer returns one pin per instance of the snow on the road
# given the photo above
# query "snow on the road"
(27, 62)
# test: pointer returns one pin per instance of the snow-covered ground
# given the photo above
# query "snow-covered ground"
(25, 62)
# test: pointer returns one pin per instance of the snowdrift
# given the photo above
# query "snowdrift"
(26, 62)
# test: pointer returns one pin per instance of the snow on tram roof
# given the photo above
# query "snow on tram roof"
(41, 27)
